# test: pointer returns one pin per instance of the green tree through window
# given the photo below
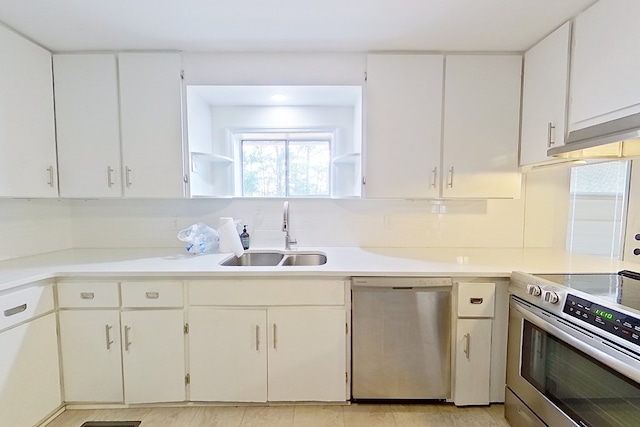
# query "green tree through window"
(294, 166)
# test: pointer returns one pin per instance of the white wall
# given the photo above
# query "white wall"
(29, 227)
(139, 223)
(320, 222)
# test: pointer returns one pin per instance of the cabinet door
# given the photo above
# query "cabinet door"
(91, 357)
(544, 96)
(473, 362)
(307, 355)
(481, 126)
(29, 373)
(404, 118)
(151, 120)
(153, 356)
(604, 77)
(28, 165)
(228, 355)
(86, 99)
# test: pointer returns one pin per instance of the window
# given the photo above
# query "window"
(286, 164)
(597, 208)
(244, 143)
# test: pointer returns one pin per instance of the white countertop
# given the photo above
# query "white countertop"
(342, 262)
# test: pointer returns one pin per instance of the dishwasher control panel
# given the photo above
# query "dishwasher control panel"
(401, 282)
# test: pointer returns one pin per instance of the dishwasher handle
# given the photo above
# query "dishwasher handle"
(402, 289)
(402, 283)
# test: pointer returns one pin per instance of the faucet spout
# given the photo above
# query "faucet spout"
(288, 240)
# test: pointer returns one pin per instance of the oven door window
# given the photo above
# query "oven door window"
(589, 392)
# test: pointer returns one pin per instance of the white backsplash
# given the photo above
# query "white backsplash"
(30, 227)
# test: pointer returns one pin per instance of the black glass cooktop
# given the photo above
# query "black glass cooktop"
(622, 288)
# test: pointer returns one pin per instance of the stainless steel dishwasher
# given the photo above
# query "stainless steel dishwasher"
(401, 338)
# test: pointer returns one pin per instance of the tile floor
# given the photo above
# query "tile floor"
(357, 415)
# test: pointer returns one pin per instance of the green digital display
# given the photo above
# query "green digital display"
(603, 314)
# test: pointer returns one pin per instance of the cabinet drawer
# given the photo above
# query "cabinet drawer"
(88, 295)
(267, 292)
(152, 294)
(16, 307)
(476, 299)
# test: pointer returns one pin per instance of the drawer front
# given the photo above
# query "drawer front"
(152, 294)
(88, 295)
(476, 299)
(267, 292)
(16, 307)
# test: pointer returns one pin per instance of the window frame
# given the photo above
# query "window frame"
(239, 136)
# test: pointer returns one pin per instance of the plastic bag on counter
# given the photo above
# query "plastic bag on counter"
(200, 239)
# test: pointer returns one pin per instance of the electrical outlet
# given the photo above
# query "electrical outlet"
(386, 222)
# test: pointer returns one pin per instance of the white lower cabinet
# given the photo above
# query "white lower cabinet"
(307, 350)
(473, 362)
(29, 373)
(228, 355)
(268, 340)
(153, 356)
(473, 343)
(131, 352)
(258, 355)
(91, 356)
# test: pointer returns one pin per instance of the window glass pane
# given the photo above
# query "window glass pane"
(598, 205)
(263, 169)
(309, 168)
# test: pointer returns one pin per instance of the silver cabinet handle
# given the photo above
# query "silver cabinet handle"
(450, 180)
(87, 295)
(109, 176)
(467, 349)
(15, 310)
(550, 128)
(274, 335)
(127, 174)
(127, 343)
(152, 295)
(50, 183)
(476, 300)
(434, 175)
(107, 332)
(257, 338)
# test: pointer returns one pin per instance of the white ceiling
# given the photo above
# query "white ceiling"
(288, 25)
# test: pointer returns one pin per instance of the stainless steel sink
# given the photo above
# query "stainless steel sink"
(273, 259)
(305, 259)
(253, 259)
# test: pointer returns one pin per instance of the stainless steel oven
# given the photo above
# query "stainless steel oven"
(573, 357)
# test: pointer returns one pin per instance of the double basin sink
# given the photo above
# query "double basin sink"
(275, 259)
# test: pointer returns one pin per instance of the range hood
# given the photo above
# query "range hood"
(615, 139)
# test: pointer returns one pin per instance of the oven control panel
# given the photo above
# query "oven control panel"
(612, 321)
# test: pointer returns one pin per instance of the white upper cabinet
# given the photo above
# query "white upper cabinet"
(151, 122)
(404, 123)
(86, 94)
(481, 126)
(119, 125)
(27, 134)
(415, 149)
(544, 96)
(604, 67)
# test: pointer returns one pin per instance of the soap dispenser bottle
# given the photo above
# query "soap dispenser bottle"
(244, 238)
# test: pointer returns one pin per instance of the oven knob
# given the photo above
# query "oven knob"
(550, 296)
(534, 290)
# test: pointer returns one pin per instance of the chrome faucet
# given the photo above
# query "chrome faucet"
(288, 240)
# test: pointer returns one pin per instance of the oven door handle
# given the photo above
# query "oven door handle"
(632, 372)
